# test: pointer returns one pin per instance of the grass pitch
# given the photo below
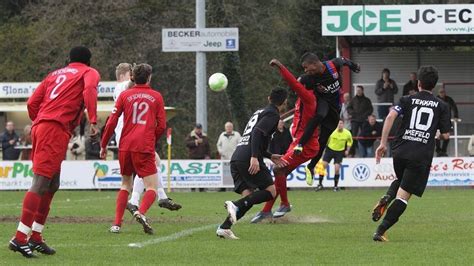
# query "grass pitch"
(323, 228)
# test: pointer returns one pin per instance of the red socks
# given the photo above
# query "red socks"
(281, 189)
(280, 184)
(122, 199)
(40, 217)
(148, 199)
(31, 203)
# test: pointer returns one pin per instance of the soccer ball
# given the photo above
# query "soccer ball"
(218, 82)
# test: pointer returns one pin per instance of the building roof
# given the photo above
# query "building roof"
(411, 40)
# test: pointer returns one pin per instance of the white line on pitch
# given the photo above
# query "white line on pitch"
(172, 237)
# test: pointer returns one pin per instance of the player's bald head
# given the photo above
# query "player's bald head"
(141, 73)
(80, 54)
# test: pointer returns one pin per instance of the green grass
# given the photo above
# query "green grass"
(323, 228)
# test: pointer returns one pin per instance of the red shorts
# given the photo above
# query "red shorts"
(50, 141)
(142, 164)
(294, 160)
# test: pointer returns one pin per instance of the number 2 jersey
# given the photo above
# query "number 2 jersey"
(264, 120)
(63, 94)
(423, 114)
(144, 119)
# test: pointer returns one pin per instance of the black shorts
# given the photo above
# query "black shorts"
(329, 113)
(413, 175)
(330, 154)
(243, 180)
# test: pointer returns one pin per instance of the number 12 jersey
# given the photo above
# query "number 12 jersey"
(144, 119)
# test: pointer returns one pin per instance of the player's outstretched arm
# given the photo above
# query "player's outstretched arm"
(387, 126)
(305, 94)
(343, 61)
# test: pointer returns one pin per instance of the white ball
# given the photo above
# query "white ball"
(218, 82)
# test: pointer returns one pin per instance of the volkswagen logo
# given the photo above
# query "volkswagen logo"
(361, 172)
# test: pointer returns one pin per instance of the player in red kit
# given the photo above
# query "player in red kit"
(56, 107)
(143, 124)
(305, 109)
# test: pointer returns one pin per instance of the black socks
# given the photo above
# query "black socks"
(392, 190)
(244, 204)
(336, 180)
(394, 212)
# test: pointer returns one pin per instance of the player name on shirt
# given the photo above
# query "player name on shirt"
(65, 71)
(424, 102)
(141, 96)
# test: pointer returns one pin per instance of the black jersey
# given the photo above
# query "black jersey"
(265, 121)
(423, 114)
(328, 84)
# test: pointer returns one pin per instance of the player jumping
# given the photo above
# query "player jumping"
(305, 109)
(324, 79)
(56, 107)
(144, 123)
(247, 167)
(122, 73)
(422, 115)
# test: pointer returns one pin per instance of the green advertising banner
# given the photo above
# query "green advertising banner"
(397, 20)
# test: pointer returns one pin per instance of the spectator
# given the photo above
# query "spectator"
(411, 86)
(385, 88)
(359, 108)
(345, 116)
(442, 145)
(198, 144)
(26, 142)
(448, 100)
(9, 141)
(93, 147)
(371, 129)
(281, 139)
(228, 141)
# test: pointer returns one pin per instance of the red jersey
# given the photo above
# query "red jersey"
(144, 119)
(305, 108)
(63, 94)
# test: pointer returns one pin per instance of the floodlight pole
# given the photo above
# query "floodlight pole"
(201, 96)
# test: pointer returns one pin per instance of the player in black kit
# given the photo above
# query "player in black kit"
(247, 167)
(324, 79)
(422, 115)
